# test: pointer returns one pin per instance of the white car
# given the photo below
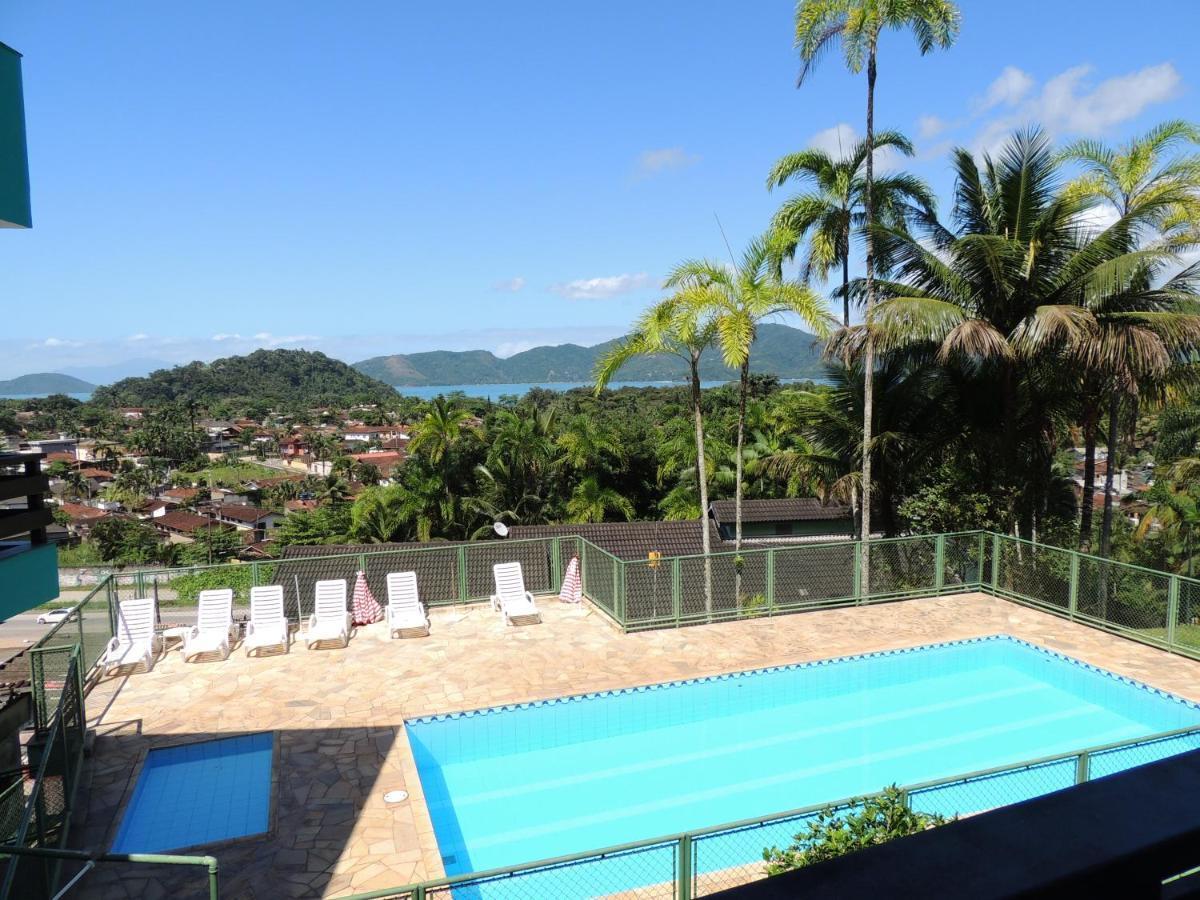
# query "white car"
(53, 616)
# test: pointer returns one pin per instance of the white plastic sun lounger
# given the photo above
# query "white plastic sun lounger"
(214, 619)
(330, 620)
(268, 625)
(405, 611)
(511, 598)
(135, 641)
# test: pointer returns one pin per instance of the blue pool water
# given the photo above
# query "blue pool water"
(514, 784)
(198, 794)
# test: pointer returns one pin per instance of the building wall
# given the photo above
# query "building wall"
(15, 208)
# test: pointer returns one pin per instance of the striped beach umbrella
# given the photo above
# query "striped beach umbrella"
(572, 586)
(366, 607)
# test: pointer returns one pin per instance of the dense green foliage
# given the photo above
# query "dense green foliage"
(277, 378)
(780, 350)
(836, 832)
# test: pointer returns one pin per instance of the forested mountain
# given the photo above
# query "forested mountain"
(780, 350)
(45, 383)
(283, 377)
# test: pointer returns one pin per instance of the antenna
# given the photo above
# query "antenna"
(721, 228)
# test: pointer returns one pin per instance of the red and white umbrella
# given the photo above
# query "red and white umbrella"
(572, 586)
(366, 607)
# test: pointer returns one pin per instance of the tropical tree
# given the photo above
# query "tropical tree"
(1175, 521)
(683, 327)
(832, 212)
(857, 25)
(1148, 181)
(587, 447)
(381, 514)
(592, 502)
(1013, 298)
(737, 299)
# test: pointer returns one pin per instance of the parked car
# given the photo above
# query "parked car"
(53, 616)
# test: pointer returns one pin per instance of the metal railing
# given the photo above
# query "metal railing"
(701, 862)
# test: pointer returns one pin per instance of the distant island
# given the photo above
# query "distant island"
(273, 377)
(779, 350)
(45, 383)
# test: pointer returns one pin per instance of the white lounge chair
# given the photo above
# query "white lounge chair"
(268, 625)
(135, 641)
(330, 620)
(511, 598)
(214, 619)
(404, 610)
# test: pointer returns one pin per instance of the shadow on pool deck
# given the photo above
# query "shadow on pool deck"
(322, 782)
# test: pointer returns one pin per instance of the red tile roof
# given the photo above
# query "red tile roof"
(239, 513)
(182, 521)
(80, 513)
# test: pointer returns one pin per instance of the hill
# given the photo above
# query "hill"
(45, 383)
(275, 377)
(779, 350)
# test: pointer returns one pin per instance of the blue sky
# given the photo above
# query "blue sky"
(379, 177)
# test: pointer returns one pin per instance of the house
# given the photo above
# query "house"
(223, 495)
(156, 508)
(630, 540)
(292, 446)
(132, 413)
(182, 494)
(82, 518)
(97, 479)
(791, 518)
(61, 444)
(364, 433)
(247, 518)
(292, 506)
(96, 451)
(180, 526)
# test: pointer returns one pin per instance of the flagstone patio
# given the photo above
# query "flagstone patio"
(338, 714)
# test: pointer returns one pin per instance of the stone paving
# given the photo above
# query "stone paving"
(338, 715)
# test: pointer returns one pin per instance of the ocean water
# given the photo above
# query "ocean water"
(506, 786)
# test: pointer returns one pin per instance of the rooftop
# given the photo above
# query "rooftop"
(338, 714)
(788, 509)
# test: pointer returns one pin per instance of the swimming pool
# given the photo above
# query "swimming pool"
(199, 793)
(518, 783)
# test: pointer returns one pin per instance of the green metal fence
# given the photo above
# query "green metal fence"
(47, 790)
(698, 863)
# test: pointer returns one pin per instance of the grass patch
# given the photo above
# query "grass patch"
(229, 476)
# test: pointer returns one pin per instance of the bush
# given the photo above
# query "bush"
(240, 577)
(836, 832)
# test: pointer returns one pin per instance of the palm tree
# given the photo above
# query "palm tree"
(738, 298)
(1144, 175)
(832, 212)
(591, 502)
(1177, 518)
(857, 25)
(586, 446)
(441, 429)
(380, 514)
(1018, 297)
(676, 326)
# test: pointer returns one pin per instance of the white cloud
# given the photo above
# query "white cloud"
(227, 337)
(140, 336)
(930, 126)
(603, 288)
(654, 162)
(60, 342)
(1009, 89)
(1068, 104)
(279, 340)
(839, 142)
(509, 285)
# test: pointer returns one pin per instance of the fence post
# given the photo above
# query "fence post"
(141, 583)
(939, 563)
(618, 593)
(676, 589)
(1073, 589)
(979, 561)
(555, 562)
(1172, 607)
(1082, 767)
(995, 561)
(858, 564)
(418, 892)
(770, 579)
(254, 575)
(462, 573)
(684, 868)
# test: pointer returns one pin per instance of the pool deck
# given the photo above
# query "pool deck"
(338, 715)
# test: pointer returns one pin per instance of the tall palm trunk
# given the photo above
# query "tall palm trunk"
(1089, 476)
(701, 479)
(846, 283)
(743, 389)
(869, 354)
